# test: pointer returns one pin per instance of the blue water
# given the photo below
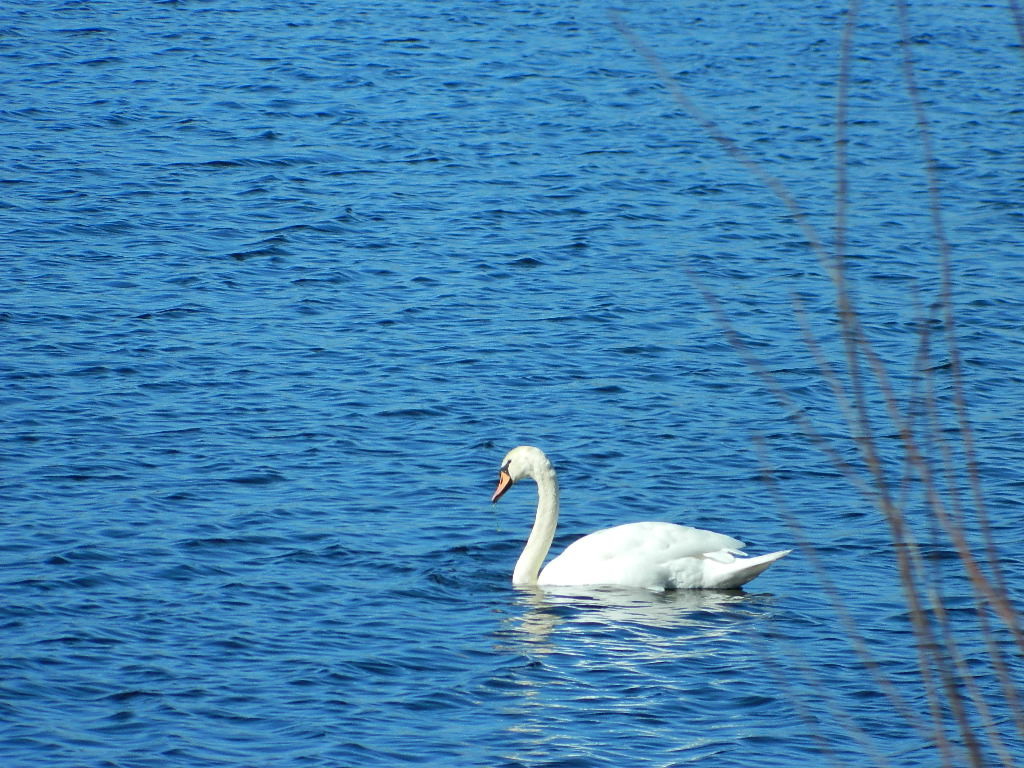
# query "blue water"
(282, 282)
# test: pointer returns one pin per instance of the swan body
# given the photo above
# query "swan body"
(646, 555)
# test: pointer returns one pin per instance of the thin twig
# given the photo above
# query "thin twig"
(826, 584)
(997, 593)
(1018, 21)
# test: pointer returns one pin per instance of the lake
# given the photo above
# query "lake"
(283, 282)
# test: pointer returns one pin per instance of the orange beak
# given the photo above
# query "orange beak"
(504, 483)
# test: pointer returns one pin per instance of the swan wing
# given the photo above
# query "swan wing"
(650, 555)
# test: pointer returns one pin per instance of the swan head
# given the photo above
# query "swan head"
(524, 461)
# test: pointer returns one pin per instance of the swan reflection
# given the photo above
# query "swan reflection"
(596, 610)
(624, 655)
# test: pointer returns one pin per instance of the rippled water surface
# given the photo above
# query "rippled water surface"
(282, 282)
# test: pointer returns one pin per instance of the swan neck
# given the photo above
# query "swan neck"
(543, 532)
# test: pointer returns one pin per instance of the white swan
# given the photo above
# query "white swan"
(654, 556)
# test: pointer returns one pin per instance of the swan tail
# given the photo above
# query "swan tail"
(718, 575)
